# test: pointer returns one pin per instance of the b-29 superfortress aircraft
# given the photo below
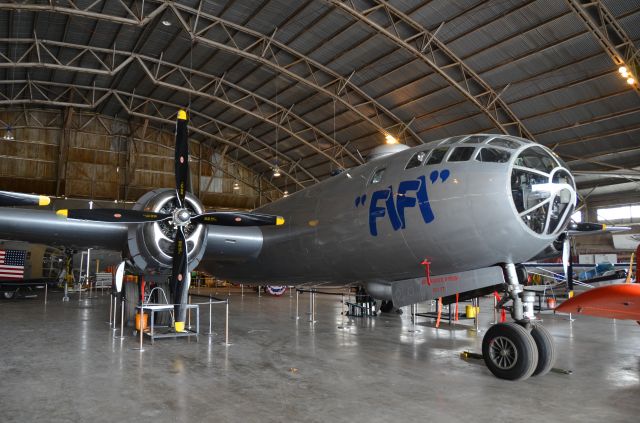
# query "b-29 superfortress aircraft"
(411, 224)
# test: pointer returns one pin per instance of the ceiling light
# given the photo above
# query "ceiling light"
(166, 23)
(276, 171)
(623, 70)
(285, 193)
(236, 185)
(631, 81)
(390, 139)
(8, 136)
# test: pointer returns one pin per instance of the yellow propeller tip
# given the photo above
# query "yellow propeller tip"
(63, 212)
(182, 115)
(44, 200)
(279, 220)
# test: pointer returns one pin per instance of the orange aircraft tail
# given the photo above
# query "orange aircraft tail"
(621, 301)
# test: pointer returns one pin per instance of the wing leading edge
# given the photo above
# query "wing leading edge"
(45, 227)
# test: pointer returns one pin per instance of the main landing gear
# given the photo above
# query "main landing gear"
(518, 350)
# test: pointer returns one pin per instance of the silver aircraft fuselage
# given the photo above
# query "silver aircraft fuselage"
(471, 210)
(462, 203)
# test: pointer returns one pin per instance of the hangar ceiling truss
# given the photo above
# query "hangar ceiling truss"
(242, 41)
(411, 36)
(344, 73)
(179, 78)
(89, 98)
(610, 34)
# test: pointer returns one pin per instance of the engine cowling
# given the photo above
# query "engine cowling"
(151, 244)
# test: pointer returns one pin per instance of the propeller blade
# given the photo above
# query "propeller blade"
(119, 277)
(113, 215)
(180, 278)
(584, 228)
(566, 256)
(238, 219)
(182, 157)
(8, 198)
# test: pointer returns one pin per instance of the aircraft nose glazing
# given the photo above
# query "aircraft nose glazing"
(542, 190)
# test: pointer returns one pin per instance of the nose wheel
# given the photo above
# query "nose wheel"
(513, 352)
(509, 351)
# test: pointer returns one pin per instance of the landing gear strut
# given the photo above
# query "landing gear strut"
(516, 351)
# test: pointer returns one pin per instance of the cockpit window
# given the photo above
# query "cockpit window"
(417, 159)
(453, 140)
(377, 176)
(502, 142)
(437, 155)
(475, 139)
(493, 155)
(536, 158)
(461, 154)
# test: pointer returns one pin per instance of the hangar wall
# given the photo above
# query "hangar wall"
(69, 153)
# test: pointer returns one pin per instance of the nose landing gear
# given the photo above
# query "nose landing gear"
(518, 350)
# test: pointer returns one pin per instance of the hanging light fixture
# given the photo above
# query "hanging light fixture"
(390, 139)
(236, 185)
(285, 193)
(276, 171)
(8, 136)
(630, 80)
(623, 71)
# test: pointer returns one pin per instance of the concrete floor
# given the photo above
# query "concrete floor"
(60, 363)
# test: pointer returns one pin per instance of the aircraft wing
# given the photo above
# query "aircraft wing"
(45, 227)
(224, 243)
(620, 301)
(33, 283)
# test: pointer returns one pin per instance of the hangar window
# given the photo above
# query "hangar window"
(417, 159)
(461, 154)
(475, 139)
(627, 214)
(437, 155)
(503, 142)
(377, 176)
(493, 155)
(577, 217)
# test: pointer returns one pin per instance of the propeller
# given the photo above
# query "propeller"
(8, 198)
(238, 219)
(113, 215)
(579, 229)
(567, 263)
(119, 277)
(588, 228)
(180, 278)
(182, 158)
(179, 218)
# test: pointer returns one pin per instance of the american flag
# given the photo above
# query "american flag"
(12, 264)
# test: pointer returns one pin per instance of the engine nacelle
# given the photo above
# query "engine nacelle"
(151, 244)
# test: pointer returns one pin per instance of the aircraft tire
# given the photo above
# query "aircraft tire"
(9, 294)
(509, 351)
(386, 306)
(546, 350)
(131, 295)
